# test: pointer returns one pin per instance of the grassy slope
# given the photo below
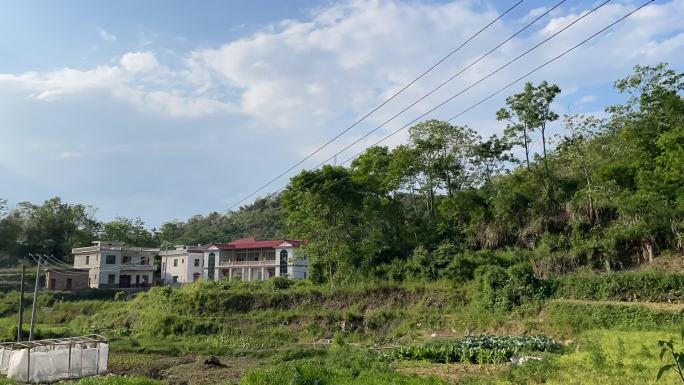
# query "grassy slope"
(277, 329)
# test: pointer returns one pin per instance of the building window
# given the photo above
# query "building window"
(87, 260)
(68, 283)
(211, 263)
(111, 279)
(164, 266)
(175, 262)
(110, 259)
(144, 260)
(283, 263)
(195, 277)
(145, 279)
(175, 279)
(197, 262)
(53, 283)
(126, 259)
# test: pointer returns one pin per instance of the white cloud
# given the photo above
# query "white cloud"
(315, 75)
(586, 99)
(139, 61)
(106, 36)
(70, 155)
(276, 94)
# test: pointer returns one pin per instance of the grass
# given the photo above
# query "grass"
(274, 330)
(605, 357)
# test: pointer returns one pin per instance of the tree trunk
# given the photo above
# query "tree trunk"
(527, 146)
(546, 164)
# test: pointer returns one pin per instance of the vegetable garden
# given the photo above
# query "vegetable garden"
(483, 349)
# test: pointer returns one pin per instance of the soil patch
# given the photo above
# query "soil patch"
(185, 370)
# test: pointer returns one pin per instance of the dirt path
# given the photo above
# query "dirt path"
(676, 307)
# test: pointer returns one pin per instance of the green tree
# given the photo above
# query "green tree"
(528, 111)
(130, 231)
(323, 207)
(55, 227)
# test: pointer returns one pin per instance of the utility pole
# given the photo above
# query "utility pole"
(35, 297)
(21, 304)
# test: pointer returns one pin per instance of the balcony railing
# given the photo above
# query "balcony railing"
(137, 266)
(263, 262)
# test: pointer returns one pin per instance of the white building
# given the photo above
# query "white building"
(251, 260)
(111, 264)
(182, 265)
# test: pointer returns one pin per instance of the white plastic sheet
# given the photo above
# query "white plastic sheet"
(53, 363)
(4, 360)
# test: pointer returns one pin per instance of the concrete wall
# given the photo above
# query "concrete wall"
(184, 268)
(297, 263)
(55, 280)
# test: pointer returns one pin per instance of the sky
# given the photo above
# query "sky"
(165, 109)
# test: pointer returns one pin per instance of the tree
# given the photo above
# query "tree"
(443, 157)
(491, 156)
(528, 111)
(323, 207)
(55, 227)
(130, 231)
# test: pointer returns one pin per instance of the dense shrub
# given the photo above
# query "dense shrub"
(506, 289)
(280, 283)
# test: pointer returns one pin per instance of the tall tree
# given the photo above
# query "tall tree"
(528, 111)
(129, 231)
(544, 95)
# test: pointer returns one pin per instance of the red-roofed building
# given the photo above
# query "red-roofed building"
(251, 260)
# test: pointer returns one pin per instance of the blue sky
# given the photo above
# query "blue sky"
(165, 109)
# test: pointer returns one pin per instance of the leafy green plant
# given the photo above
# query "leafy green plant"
(677, 365)
(484, 349)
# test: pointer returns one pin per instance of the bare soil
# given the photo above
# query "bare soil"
(185, 370)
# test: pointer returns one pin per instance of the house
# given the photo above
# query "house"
(58, 279)
(112, 264)
(251, 260)
(182, 265)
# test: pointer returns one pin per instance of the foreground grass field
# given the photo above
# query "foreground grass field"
(318, 335)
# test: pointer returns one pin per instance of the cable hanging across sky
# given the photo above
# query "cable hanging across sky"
(491, 95)
(466, 89)
(364, 117)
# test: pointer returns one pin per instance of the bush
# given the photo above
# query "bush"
(281, 283)
(506, 289)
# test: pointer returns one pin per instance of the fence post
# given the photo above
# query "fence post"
(21, 304)
(69, 367)
(33, 307)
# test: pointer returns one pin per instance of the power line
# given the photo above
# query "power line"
(379, 106)
(496, 92)
(472, 64)
(492, 73)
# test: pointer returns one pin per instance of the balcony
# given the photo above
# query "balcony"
(134, 266)
(263, 262)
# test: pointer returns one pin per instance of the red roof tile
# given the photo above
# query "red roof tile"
(251, 243)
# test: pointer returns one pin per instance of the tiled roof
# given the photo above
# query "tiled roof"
(251, 243)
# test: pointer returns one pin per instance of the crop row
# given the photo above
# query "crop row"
(484, 349)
